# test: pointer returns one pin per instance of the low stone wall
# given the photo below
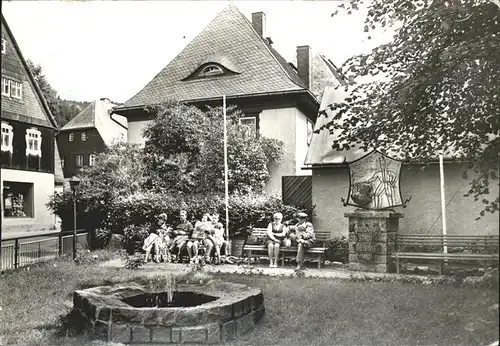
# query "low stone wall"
(236, 311)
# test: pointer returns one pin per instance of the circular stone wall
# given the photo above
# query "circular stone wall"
(235, 311)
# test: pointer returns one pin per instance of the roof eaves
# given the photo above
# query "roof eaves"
(72, 128)
(30, 75)
(117, 110)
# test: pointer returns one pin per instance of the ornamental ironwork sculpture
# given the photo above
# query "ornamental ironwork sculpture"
(374, 182)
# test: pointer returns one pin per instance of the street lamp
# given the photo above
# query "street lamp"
(73, 183)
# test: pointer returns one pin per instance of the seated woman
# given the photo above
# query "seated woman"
(276, 232)
(164, 242)
(198, 237)
(156, 237)
(302, 236)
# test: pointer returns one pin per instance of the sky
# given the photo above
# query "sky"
(94, 49)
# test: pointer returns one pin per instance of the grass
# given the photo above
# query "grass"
(299, 310)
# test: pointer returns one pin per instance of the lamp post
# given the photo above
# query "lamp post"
(73, 183)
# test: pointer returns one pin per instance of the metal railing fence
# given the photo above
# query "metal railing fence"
(21, 251)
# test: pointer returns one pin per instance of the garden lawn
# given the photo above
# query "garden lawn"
(299, 311)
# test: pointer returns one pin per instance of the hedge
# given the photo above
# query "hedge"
(251, 210)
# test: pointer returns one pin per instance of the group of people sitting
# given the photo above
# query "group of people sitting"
(279, 234)
(206, 235)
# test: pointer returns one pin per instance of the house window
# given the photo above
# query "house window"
(4, 45)
(33, 142)
(7, 137)
(71, 137)
(91, 159)
(250, 123)
(83, 136)
(12, 89)
(16, 90)
(17, 199)
(79, 160)
(310, 129)
(211, 70)
(5, 87)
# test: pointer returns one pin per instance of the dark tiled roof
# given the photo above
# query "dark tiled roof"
(263, 70)
(84, 119)
(335, 70)
(292, 73)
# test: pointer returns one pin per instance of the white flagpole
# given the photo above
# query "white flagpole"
(443, 198)
(226, 186)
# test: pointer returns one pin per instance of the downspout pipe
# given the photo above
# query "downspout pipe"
(111, 112)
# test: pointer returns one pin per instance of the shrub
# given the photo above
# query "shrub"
(244, 210)
(141, 208)
(133, 238)
(134, 261)
(337, 249)
(101, 238)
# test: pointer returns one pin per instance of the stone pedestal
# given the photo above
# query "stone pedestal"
(372, 235)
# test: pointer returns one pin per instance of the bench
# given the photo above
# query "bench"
(289, 252)
(486, 245)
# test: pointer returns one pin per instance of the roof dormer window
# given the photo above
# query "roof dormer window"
(211, 70)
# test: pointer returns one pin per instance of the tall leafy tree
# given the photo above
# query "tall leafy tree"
(184, 151)
(433, 89)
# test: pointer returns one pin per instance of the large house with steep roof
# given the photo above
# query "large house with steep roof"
(29, 173)
(90, 132)
(233, 57)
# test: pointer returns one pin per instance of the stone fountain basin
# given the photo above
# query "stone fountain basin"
(236, 309)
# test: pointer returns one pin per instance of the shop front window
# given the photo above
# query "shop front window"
(17, 199)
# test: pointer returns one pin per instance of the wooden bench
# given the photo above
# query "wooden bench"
(488, 245)
(289, 252)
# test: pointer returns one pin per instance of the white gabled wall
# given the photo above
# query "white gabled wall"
(290, 126)
(43, 188)
(301, 143)
(422, 214)
(135, 129)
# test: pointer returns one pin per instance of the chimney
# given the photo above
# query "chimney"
(304, 65)
(259, 23)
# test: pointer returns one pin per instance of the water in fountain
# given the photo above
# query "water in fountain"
(160, 284)
(164, 294)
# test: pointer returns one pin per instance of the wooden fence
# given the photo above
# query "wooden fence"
(297, 190)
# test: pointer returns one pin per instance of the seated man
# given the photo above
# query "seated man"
(182, 232)
(302, 236)
(198, 237)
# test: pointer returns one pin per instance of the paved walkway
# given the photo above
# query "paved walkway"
(332, 272)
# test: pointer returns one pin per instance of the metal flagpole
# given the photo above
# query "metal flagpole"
(443, 198)
(226, 187)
